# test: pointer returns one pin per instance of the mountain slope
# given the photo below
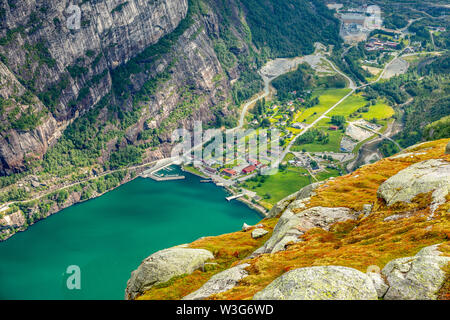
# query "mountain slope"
(108, 96)
(125, 56)
(381, 212)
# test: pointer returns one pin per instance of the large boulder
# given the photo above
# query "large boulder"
(258, 233)
(447, 149)
(423, 177)
(292, 225)
(320, 283)
(416, 278)
(378, 282)
(220, 282)
(162, 266)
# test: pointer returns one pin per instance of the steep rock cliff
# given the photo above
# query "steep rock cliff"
(70, 69)
(27, 129)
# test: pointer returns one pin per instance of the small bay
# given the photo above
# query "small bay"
(109, 236)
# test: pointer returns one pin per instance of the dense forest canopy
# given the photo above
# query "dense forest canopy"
(289, 28)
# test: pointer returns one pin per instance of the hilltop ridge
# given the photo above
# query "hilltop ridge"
(375, 233)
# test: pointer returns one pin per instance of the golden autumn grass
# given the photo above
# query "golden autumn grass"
(358, 244)
(227, 249)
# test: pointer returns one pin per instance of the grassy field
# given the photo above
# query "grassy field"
(325, 175)
(281, 184)
(379, 111)
(333, 145)
(327, 98)
(349, 106)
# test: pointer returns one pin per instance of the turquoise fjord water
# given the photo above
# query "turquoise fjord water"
(108, 237)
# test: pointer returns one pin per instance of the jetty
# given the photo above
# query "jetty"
(234, 197)
(153, 173)
(164, 178)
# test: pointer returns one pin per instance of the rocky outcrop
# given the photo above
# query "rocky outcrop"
(220, 282)
(416, 278)
(292, 225)
(447, 149)
(411, 278)
(423, 177)
(258, 233)
(162, 266)
(379, 284)
(301, 195)
(16, 141)
(320, 283)
(13, 220)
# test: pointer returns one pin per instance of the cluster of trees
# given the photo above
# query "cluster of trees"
(297, 80)
(248, 84)
(313, 136)
(338, 121)
(350, 64)
(259, 111)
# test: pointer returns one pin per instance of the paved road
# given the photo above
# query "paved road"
(265, 93)
(381, 135)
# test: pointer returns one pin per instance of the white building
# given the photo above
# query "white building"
(373, 21)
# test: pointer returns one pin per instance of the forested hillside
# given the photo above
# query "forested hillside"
(290, 28)
(424, 94)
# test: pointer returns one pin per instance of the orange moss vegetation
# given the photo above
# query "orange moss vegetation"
(227, 249)
(362, 243)
(358, 244)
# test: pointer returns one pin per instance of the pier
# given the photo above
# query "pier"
(153, 173)
(234, 197)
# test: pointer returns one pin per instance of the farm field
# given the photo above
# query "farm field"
(327, 98)
(378, 111)
(280, 185)
(332, 145)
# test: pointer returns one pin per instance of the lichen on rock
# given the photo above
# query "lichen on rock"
(292, 225)
(320, 283)
(220, 282)
(416, 278)
(420, 178)
(162, 266)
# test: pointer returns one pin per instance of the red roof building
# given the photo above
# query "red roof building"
(248, 169)
(333, 128)
(229, 172)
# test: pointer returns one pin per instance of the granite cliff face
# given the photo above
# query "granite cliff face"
(17, 141)
(70, 69)
(110, 33)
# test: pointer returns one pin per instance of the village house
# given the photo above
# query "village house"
(210, 170)
(229, 172)
(249, 169)
(254, 162)
(298, 125)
